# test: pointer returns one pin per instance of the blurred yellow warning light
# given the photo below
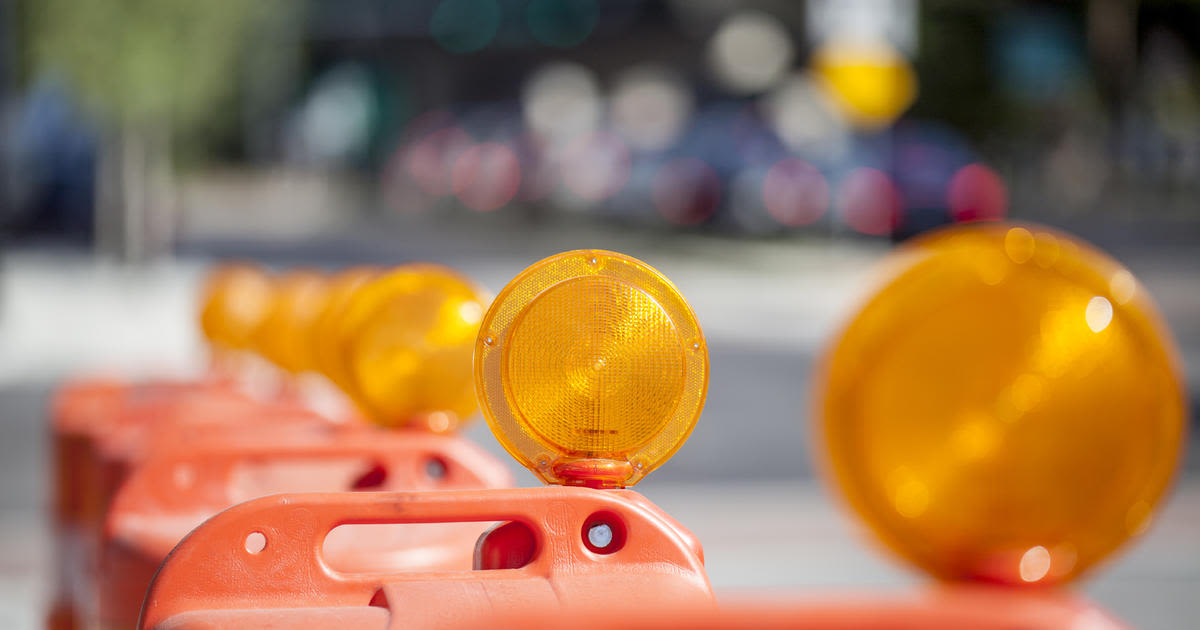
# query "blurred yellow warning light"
(870, 82)
(328, 347)
(234, 302)
(1008, 408)
(591, 369)
(283, 337)
(408, 337)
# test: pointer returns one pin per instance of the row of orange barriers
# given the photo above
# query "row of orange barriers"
(196, 505)
(140, 465)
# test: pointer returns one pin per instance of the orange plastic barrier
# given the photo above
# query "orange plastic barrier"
(949, 607)
(261, 563)
(101, 428)
(81, 413)
(146, 430)
(169, 494)
(96, 423)
(84, 411)
(70, 407)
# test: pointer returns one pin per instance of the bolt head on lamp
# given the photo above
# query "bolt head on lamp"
(1007, 408)
(591, 369)
(234, 302)
(408, 336)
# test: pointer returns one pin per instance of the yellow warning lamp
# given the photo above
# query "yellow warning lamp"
(408, 336)
(591, 369)
(1008, 408)
(327, 347)
(870, 82)
(283, 336)
(235, 300)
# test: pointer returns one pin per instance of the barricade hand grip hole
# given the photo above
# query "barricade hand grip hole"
(371, 548)
(371, 479)
(604, 533)
(255, 542)
(509, 545)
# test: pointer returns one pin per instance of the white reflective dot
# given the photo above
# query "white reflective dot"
(1035, 564)
(600, 536)
(1098, 314)
(255, 542)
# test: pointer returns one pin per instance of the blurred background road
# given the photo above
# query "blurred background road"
(764, 155)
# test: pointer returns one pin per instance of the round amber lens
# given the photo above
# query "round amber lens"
(618, 387)
(327, 343)
(235, 301)
(284, 334)
(591, 361)
(1007, 408)
(410, 334)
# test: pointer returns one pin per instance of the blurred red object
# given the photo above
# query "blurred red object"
(977, 193)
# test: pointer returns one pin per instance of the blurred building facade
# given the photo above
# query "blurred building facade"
(879, 118)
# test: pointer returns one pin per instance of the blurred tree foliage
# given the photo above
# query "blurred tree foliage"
(157, 75)
(166, 64)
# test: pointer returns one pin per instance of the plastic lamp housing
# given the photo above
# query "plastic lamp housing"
(1009, 406)
(591, 369)
(327, 342)
(282, 338)
(408, 336)
(235, 300)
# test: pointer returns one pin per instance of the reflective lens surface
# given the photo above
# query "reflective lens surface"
(1008, 407)
(285, 333)
(591, 368)
(410, 335)
(234, 302)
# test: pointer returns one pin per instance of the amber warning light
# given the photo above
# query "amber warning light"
(591, 369)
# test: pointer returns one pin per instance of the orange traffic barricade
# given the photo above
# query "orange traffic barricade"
(102, 460)
(221, 426)
(144, 430)
(84, 415)
(86, 411)
(172, 492)
(261, 564)
(591, 370)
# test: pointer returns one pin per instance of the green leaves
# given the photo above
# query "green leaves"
(170, 62)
